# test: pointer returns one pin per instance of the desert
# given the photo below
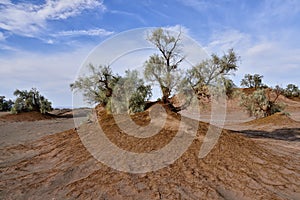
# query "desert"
(252, 159)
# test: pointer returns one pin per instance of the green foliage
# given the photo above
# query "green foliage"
(291, 90)
(130, 94)
(229, 87)
(118, 94)
(5, 105)
(163, 68)
(30, 101)
(137, 100)
(213, 73)
(259, 104)
(252, 81)
(97, 87)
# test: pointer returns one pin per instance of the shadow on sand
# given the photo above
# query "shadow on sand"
(287, 134)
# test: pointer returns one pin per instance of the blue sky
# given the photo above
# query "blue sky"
(44, 43)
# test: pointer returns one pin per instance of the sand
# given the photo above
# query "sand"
(258, 159)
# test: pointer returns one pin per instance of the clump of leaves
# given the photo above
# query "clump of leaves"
(130, 94)
(116, 93)
(253, 81)
(30, 101)
(5, 105)
(260, 104)
(292, 90)
(213, 73)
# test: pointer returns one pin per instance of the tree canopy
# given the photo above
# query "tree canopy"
(162, 68)
(252, 81)
(97, 87)
(292, 90)
(208, 78)
(30, 100)
(116, 93)
(5, 105)
(213, 72)
(260, 103)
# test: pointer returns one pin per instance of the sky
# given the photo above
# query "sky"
(43, 44)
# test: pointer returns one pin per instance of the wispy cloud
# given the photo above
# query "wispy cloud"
(50, 73)
(29, 19)
(197, 4)
(222, 40)
(130, 14)
(178, 28)
(279, 9)
(90, 32)
(2, 37)
(276, 58)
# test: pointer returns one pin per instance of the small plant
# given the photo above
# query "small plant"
(260, 104)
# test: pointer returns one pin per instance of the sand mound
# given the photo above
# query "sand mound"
(278, 119)
(60, 167)
(26, 116)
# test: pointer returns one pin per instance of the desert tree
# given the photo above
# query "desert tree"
(291, 90)
(130, 94)
(113, 91)
(162, 68)
(213, 74)
(252, 81)
(30, 100)
(262, 102)
(5, 105)
(98, 85)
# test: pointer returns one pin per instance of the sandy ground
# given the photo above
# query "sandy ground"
(46, 159)
(14, 133)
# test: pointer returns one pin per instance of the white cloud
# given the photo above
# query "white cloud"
(261, 49)
(50, 73)
(130, 14)
(276, 58)
(223, 40)
(279, 9)
(178, 28)
(2, 36)
(199, 5)
(29, 19)
(90, 32)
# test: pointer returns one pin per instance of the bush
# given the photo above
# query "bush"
(291, 90)
(130, 94)
(30, 101)
(5, 105)
(116, 93)
(213, 73)
(253, 81)
(259, 104)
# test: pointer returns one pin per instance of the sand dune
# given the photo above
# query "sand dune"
(241, 165)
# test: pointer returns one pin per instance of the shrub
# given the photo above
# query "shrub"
(252, 81)
(5, 105)
(291, 90)
(30, 101)
(260, 104)
(116, 93)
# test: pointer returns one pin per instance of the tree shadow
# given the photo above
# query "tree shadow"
(287, 134)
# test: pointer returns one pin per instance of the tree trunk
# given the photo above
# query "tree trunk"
(166, 94)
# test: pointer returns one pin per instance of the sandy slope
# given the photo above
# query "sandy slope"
(241, 166)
